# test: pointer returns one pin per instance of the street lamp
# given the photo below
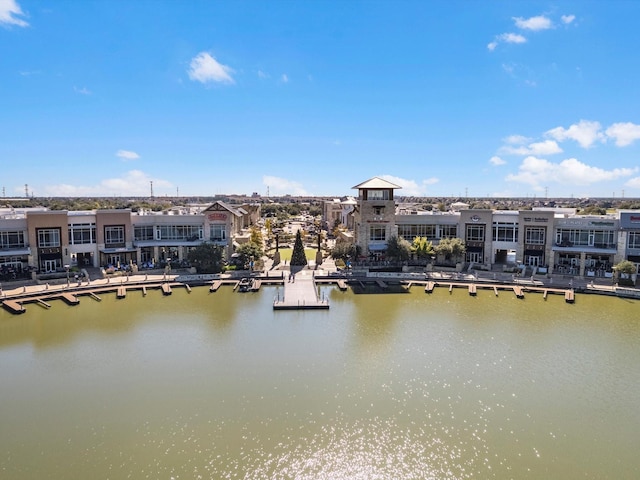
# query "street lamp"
(66, 267)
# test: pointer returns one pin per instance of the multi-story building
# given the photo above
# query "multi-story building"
(51, 241)
(547, 240)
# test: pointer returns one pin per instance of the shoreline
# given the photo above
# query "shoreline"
(14, 299)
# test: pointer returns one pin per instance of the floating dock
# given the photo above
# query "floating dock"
(70, 298)
(13, 306)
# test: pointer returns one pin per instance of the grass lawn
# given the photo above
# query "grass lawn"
(285, 254)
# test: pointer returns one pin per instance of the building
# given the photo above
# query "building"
(53, 241)
(542, 240)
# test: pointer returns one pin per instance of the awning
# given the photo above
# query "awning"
(15, 253)
(377, 247)
(118, 250)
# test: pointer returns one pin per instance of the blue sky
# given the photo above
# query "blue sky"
(444, 98)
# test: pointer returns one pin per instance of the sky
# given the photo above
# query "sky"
(201, 98)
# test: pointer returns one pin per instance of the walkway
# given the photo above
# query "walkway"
(300, 293)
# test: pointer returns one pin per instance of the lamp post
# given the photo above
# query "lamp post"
(66, 267)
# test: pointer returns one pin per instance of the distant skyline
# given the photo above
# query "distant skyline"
(444, 98)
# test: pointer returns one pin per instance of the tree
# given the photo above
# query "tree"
(422, 248)
(256, 236)
(206, 257)
(247, 252)
(398, 249)
(298, 258)
(627, 267)
(624, 270)
(450, 249)
(344, 251)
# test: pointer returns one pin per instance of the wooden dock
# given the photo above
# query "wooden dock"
(519, 291)
(13, 306)
(121, 292)
(70, 298)
(428, 288)
(569, 296)
(215, 285)
(166, 289)
(300, 294)
(472, 289)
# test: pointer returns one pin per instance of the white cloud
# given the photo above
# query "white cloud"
(567, 19)
(9, 13)
(539, 22)
(411, 188)
(506, 38)
(547, 147)
(262, 74)
(284, 78)
(624, 133)
(538, 172)
(282, 186)
(127, 155)
(516, 139)
(133, 183)
(585, 132)
(81, 91)
(204, 69)
(633, 182)
(497, 161)
(512, 38)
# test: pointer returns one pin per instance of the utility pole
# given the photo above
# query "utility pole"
(151, 182)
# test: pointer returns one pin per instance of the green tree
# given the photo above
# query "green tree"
(623, 271)
(249, 251)
(256, 236)
(206, 257)
(422, 248)
(344, 251)
(627, 267)
(298, 258)
(450, 249)
(398, 249)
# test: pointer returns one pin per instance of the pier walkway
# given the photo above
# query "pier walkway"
(300, 293)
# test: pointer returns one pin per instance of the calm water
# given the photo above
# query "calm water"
(396, 386)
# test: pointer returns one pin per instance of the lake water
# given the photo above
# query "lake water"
(388, 386)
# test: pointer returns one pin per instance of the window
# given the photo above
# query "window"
(603, 238)
(114, 235)
(585, 238)
(377, 234)
(377, 195)
(475, 233)
(448, 231)
(143, 233)
(180, 232)
(535, 235)
(218, 232)
(505, 232)
(11, 240)
(48, 237)
(410, 232)
(634, 240)
(80, 233)
(378, 210)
